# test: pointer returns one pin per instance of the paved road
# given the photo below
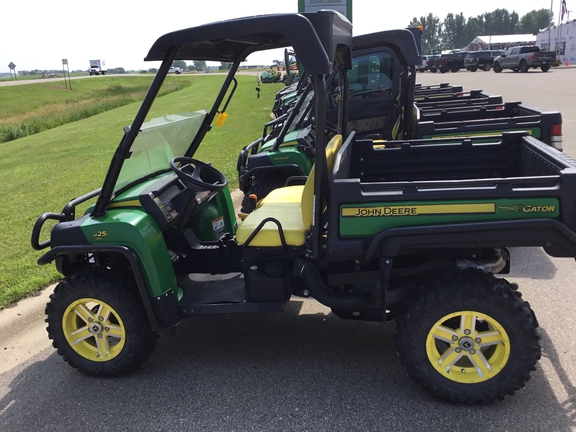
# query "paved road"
(305, 369)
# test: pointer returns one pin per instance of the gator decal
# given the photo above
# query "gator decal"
(364, 220)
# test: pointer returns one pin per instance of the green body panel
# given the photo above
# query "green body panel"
(535, 132)
(215, 218)
(288, 153)
(289, 140)
(289, 98)
(139, 232)
(368, 219)
(291, 156)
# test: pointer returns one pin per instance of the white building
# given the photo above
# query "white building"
(562, 39)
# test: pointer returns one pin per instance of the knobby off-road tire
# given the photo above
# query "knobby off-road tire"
(97, 323)
(467, 337)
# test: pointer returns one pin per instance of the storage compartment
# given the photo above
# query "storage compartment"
(514, 156)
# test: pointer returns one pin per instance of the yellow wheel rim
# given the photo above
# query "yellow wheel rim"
(468, 347)
(94, 329)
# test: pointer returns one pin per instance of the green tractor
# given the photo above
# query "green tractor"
(415, 233)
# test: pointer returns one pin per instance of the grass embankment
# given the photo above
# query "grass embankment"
(42, 172)
(30, 109)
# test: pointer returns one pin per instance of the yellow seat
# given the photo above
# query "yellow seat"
(292, 206)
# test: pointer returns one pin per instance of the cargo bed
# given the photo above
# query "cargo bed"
(489, 120)
(515, 191)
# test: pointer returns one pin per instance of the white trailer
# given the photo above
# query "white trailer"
(98, 67)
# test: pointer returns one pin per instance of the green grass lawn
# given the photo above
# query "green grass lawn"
(29, 109)
(42, 172)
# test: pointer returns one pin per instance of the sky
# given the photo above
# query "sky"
(38, 34)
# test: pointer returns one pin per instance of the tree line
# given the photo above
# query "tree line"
(455, 31)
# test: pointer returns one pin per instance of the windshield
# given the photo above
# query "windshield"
(159, 140)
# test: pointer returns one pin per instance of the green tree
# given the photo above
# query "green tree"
(500, 22)
(453, 35)
(225, 66)
(179, 64)
(536, 20)
(199, 65)
(431, 33)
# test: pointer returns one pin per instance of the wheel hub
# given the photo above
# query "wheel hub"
(95, 328)
(466, 343)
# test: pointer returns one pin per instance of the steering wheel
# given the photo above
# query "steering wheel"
(198, 175)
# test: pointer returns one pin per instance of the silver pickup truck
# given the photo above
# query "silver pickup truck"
(522, 58)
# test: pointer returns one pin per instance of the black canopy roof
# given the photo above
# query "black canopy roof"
(403, 39)
(314, 37)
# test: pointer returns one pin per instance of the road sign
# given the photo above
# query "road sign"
(12, 66)
(342, 6)
(64, 61)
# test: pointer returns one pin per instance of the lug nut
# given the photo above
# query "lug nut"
(467, 331)
(472, 351)
(477, 340)
(454, 338)
(458, 350)
(100, 318)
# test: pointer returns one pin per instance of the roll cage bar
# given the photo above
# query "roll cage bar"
(317, 38)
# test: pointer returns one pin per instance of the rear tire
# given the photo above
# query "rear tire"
(473, 69)
(486, 67)
(455, 68)
(467, 337)
(545, 68)
(97, 323)
(524, 66)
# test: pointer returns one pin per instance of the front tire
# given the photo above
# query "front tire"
(467, 337)
(97, 323)
(497, 68)
(486, 67)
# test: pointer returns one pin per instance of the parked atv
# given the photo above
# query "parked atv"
(414, 230)
(381, 91)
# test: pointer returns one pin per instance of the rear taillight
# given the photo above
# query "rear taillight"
(556, 136)
(533, 57)
(500, 107)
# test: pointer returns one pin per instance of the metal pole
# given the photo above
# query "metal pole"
(550, 24)
(64, 72)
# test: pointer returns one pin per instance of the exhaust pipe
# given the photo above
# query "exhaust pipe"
(349, 301)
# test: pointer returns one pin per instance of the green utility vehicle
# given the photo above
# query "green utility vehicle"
(416, 231)
(381, 89)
